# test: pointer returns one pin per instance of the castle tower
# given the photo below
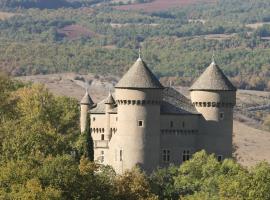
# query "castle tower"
(214, 97)
(109, 106)
(86, 104)
(137, 141)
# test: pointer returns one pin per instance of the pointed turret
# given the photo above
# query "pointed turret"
(139, 76)
(213, 79)
(110, 99)
(86, 104)
(86, 100)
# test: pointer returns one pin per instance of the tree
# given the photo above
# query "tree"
(133, 185)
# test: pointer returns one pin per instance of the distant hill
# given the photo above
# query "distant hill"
(46, 4)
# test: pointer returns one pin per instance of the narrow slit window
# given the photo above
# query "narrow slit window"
(102, 156)
(221, 115)
(171, 124)
(121, 155)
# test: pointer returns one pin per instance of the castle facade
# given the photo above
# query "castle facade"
(149, 125)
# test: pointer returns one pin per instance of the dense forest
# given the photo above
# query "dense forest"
(43, 156)
(177, 43)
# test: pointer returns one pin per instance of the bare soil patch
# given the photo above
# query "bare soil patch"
(75, 31)
(257, 25)
(159, 5)
(6, 15)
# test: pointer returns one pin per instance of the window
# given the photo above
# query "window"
(102, 156)
(171, 124)
(183, 124)
(221, 115)
(186, 155)
(140, 123)
(116, 119)
(121, 155)
(219, 158)
(166, 155)
(102, 136)
(94, 119)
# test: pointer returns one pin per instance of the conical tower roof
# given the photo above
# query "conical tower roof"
(139, 76)
(213, 79)
(86, 100)
(110, 99)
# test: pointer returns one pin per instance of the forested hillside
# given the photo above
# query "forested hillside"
(43, 156)
(47, 4)
(178, 43)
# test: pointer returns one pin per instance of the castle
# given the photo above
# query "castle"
(149, 125)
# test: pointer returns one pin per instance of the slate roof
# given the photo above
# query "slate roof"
(176, 103)
(100, 108)
(173, 103)
(139, 76)
(86, 100)
(213, 79)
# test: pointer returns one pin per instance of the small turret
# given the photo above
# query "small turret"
(86, 104)
(109, 106)
(109, 102)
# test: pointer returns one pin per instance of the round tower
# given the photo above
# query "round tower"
(109, 106)
(86, 103)
(214, 96)
(138, 98)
